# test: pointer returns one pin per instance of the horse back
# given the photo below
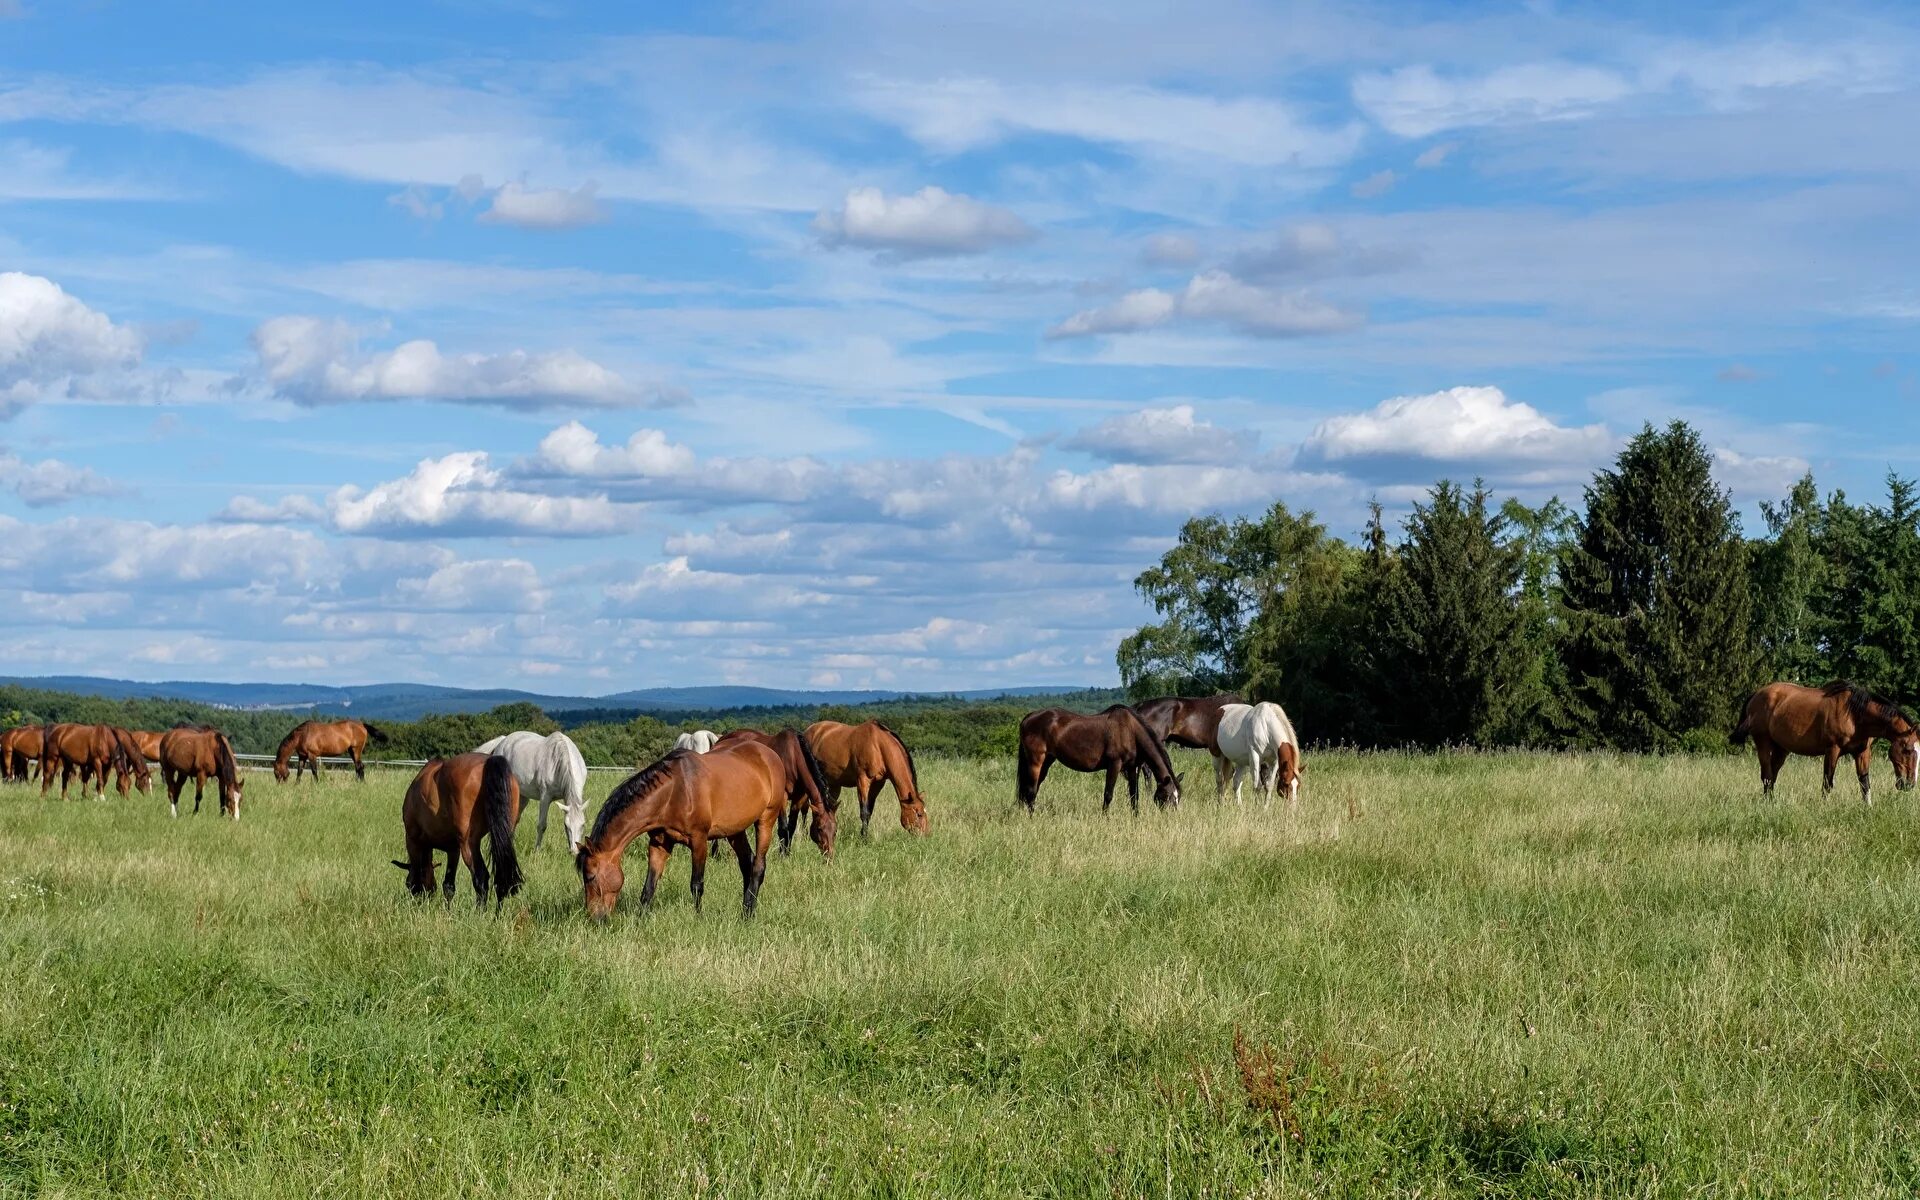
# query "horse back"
(731, 787)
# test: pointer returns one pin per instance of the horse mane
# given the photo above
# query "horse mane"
(640, 785)
(814, 768)
(913, 774)
(1864, 702)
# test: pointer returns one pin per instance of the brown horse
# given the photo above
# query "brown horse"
(90, 751)
(1825, 723)
(688, 799)
(149, 742)
(866, 757)
(453, 803)
(311, 740)
(803, 767)
(19, 750)
(199, 752)
(1116, 740)
(130, 762)
(1193, 722)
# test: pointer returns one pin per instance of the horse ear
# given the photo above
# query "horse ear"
(1179, 779)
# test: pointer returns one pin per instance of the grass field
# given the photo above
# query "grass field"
(1515, 975)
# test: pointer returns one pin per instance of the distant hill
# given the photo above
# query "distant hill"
(410, 701)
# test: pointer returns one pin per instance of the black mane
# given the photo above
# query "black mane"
(640, 784)
(1863, 702)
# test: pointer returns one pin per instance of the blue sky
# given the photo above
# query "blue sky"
(582, 347)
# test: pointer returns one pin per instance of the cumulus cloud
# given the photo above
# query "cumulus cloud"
(931, 222)
(544, 208)
(1215, 296)
(460, 495)
(52, 344)
(1473, 427)
(1162, 435)
(49, 481)
(649, 466)
(1757, 477)
(315, 361)
(476, 585)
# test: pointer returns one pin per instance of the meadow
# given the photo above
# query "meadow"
(1527, 975)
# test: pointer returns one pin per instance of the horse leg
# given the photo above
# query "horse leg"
(453, 869)
(174, 781)
(657, 851)
(767, 823)
(1826, 779)
(869, 792)
(699, 884)
(743, 854)
(1221, 769)
(476, 867)
(359, 766)
(1862, 765)
(199, 785)
(1769, 766)
(1113, 776)
(1133, 789)
(540, 826)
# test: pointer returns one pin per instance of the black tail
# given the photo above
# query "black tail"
(1739, 735)
(375, 734)
(496, 799)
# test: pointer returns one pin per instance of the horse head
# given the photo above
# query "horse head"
(602, 876)
(1904, 749)
(1166, 793)
(233, 796)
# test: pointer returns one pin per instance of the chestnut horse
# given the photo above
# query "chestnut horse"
(450, 805)
(803, 767)
(866, 757)
(19, 749)
(149, 742)
(1825, 723)
(688, 799)
(131, 762)
(1193, 722)
(199, 752)
(90, 751)
(1116, 740)
(311, 740)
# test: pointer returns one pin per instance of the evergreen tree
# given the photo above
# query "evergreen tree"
(1655, 595)
(1456, 656)
(1790, 580)
(1871, 556)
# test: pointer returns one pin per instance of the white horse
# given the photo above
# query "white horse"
(549, 768)
(1257, 735)
(699, 741)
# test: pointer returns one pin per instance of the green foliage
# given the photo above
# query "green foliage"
(1657, 599)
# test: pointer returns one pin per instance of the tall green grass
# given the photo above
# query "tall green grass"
(1514, 975)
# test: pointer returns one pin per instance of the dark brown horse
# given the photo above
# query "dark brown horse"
(89, 751)
(130, 762)
(1193, 722)
(1825, 723)
(450, 805)
(19, 750)
(805, 770)
(1116, 740)
(199, 753)
(866, 757)
(688, 799)
(312, 740)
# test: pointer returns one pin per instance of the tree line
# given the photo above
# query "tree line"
(1641, 622)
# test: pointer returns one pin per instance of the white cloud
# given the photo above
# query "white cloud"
(315, 361)
(1417, 101)
(49, 481)
(1470, 426)
(575, 450)
(928, 223)
(1757, 477)
(1435, 156)
(1163, 435)
(476, 585)
(460, 495)
(51, 344)
(544, 208)
(249, 510)
(1215, 296)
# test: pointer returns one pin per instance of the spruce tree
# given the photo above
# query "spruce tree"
(1871, 604)
(1790, 582)
(1656, 600)
(1454, 653)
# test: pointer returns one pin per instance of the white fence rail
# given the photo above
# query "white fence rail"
(262, 762)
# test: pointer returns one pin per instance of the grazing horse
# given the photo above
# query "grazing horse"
(1256, 735)
(19, 749)
(699, 741)
(312, 740)
(199, 752)
(1840, 718)
(688, 799)
(130, 762)
(450, 805)
(803, 767)
(1193, 722)
(549, 768)
(90, 751)
(866, 757)
(149, 742)
(1116, 740)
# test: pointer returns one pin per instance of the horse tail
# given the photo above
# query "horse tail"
(913, 776)
(496, 798)
(375, 733)
(1739, 735)
(1024, 792)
